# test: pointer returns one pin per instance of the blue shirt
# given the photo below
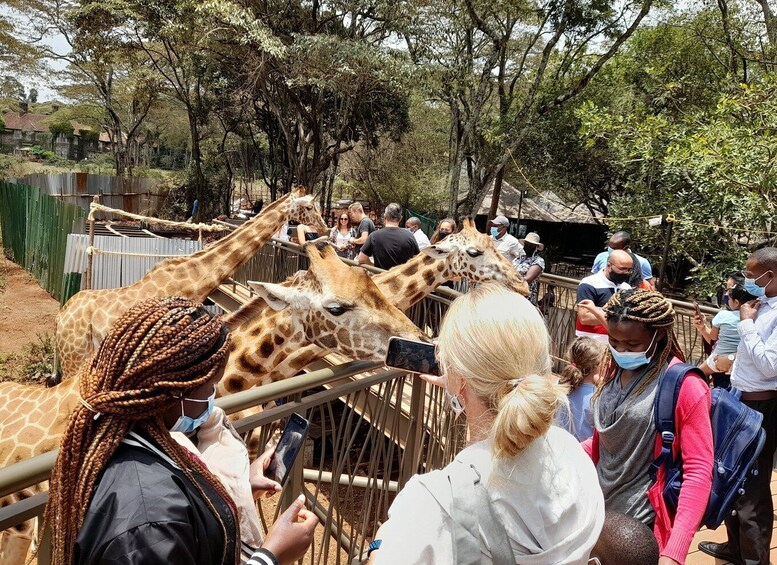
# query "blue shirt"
(582, 424)
(644, 265)
(728, 337)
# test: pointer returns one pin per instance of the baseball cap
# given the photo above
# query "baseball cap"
(500, 221)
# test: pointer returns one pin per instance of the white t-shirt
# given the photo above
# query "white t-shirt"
(420, 238)
(510, 247)
(547, 498)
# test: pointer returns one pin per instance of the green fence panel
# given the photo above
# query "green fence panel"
(13, 219)
(35, 227)
(428, 224)
(71, 284)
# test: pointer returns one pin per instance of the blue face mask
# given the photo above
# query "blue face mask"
(186, 424)
(726, 300)
(630, 360)
(609, 250)
(494, 232)
(753, 288)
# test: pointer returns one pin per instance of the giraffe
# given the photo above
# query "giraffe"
(331, 306)
(467, 253)
(88, 316)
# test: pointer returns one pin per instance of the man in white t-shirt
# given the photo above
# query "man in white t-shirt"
(505, 243)
(414, 225)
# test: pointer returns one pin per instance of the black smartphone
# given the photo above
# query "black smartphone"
(289, 446)
(415, 356)
(696, 308)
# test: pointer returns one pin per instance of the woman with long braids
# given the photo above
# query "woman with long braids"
(640, 324)
(122, 490)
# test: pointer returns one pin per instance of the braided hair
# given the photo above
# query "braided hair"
(157, 352)
(655, 312)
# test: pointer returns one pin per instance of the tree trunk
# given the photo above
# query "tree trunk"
(771, 23)
(198, 190)
(456, 158)
(500, 175)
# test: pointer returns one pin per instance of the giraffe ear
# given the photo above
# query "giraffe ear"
(438, 250)
(278, 296)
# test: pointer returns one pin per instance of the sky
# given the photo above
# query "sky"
(57, 42)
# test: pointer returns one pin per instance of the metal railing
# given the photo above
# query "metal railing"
(372, 429)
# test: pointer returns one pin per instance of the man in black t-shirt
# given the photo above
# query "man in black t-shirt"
(389, 246)
(364, 226)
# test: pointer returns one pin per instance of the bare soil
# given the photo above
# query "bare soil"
(26, 312)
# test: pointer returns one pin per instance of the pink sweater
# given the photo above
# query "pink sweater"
(694, 441)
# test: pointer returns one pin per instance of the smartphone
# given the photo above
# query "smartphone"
(288, 448)
(414, 356)
(696, 308)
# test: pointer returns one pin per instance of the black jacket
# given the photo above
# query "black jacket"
(145, 510)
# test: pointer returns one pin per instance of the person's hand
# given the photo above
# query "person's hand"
(748, 310)
(723, 363)
(699, 321)
(259, 483)
(587, 304)
(292, 533)
(436, 380)
(664, 560)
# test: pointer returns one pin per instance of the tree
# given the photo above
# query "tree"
(332, 85)
(501, 68)
(97, 58)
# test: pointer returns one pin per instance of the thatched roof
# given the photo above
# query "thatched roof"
(545, 206)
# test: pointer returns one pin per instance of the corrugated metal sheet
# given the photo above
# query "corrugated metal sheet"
(137, 195)
(113, 271)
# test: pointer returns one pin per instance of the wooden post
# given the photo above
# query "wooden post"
(89, 249)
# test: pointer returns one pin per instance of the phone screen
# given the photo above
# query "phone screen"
(289, 446)
(410, 355)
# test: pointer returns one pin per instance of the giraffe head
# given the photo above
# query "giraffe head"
(337, 307)
(473, 255)
(303, 209)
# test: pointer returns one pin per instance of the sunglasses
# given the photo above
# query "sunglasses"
(344, 218)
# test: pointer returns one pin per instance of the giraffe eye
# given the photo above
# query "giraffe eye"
(336, 309)
(472, 252)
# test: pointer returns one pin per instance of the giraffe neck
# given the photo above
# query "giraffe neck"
(33, 422)
(197, 275)
(269, 346)
(406, 284)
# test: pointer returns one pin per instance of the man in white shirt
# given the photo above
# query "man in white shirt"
(414, 225)
(505, 243)
(755, 374)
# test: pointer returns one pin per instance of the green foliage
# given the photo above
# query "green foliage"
(711, 169)
(39, 152)
(89, 135)
(61, 127)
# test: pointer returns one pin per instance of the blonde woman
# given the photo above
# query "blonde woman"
(540, 495)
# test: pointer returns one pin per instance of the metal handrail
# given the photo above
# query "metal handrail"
(23, 474)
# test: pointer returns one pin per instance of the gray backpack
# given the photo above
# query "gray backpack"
(471, 514)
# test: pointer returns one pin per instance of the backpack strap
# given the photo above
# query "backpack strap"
(664, 405)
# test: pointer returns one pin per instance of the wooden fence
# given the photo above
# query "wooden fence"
(35, 227)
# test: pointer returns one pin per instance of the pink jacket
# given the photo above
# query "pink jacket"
(694, 440)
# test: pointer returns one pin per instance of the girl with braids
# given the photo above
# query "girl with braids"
(642, 344)
(122, 489)
(581, 375)
(534, 478)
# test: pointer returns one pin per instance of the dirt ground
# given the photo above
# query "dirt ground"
(26, 311)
